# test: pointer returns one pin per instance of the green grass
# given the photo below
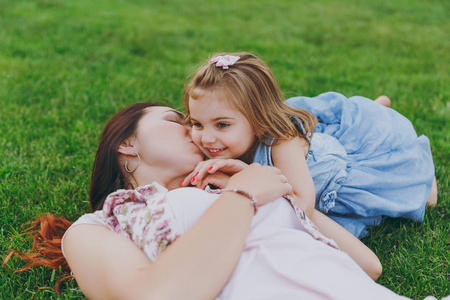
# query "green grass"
(67, 66)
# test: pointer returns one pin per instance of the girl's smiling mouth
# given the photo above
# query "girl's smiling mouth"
(215, 151)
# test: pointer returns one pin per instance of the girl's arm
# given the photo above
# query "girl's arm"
(289, 157)
(196, 266)
(351, 245)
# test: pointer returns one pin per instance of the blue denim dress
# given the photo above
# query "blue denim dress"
(366, 161)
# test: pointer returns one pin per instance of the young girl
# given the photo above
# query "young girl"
(364, 162)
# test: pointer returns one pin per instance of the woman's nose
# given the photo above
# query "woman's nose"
(188, 129)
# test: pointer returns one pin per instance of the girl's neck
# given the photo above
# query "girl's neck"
(250, 154)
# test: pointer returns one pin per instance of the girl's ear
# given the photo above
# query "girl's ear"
(127, 148)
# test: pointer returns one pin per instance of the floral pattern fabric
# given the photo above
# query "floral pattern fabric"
(142, 215)
(309, 225)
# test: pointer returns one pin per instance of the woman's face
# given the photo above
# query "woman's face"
(164, 141)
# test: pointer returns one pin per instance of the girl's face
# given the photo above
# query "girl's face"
(164, 141)
(218, 128)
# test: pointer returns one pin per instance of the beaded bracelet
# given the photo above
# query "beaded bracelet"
(247, 195)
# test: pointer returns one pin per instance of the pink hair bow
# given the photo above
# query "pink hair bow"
(224, 61)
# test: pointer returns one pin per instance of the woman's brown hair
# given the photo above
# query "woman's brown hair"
(254, 91)
(107, 174)
(46, 231)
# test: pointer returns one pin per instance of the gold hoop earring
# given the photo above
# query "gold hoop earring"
(139, 162)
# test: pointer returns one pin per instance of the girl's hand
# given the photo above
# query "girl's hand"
(218, 179)
(227, 166)
(263, 182)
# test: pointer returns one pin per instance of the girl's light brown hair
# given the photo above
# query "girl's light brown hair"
(253, 90)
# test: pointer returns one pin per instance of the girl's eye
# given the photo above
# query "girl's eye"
(176, 121)
(223, 125)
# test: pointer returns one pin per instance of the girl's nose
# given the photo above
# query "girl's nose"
(208, 138)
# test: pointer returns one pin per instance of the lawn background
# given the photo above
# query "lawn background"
(67, 66)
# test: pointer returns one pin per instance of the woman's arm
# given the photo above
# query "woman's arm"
(197, 265)
(105, 264)
(289, 157)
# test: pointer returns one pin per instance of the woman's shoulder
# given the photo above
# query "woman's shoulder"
(89, 219)
(138, 214)
(86, 219)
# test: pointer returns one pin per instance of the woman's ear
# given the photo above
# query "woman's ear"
(127, 148)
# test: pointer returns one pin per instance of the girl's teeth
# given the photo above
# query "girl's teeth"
(216, 150)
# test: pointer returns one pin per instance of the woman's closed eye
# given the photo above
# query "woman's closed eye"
(176, 117)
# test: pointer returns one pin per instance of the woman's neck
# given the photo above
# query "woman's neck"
(175, 183)
(163, 176)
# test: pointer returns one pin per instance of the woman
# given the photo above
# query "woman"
(219, 244)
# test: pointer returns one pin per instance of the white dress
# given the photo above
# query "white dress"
(281, 259)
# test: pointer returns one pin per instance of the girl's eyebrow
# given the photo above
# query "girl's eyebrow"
(217, 119)
(223, 118)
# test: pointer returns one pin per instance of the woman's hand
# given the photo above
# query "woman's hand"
(227, 166)
(263, 182)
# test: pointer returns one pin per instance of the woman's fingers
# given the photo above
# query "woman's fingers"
(218, 179)
(264, 183)
(290, 188)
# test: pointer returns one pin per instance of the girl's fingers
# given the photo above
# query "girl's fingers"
(228, 166)
(218, 165)
(201, 170)
(187, 180)
(191, 178)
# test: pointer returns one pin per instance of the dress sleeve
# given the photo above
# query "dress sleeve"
(300, 128)
(143, 216)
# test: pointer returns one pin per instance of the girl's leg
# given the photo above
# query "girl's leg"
(432, 200)
(383, 100)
